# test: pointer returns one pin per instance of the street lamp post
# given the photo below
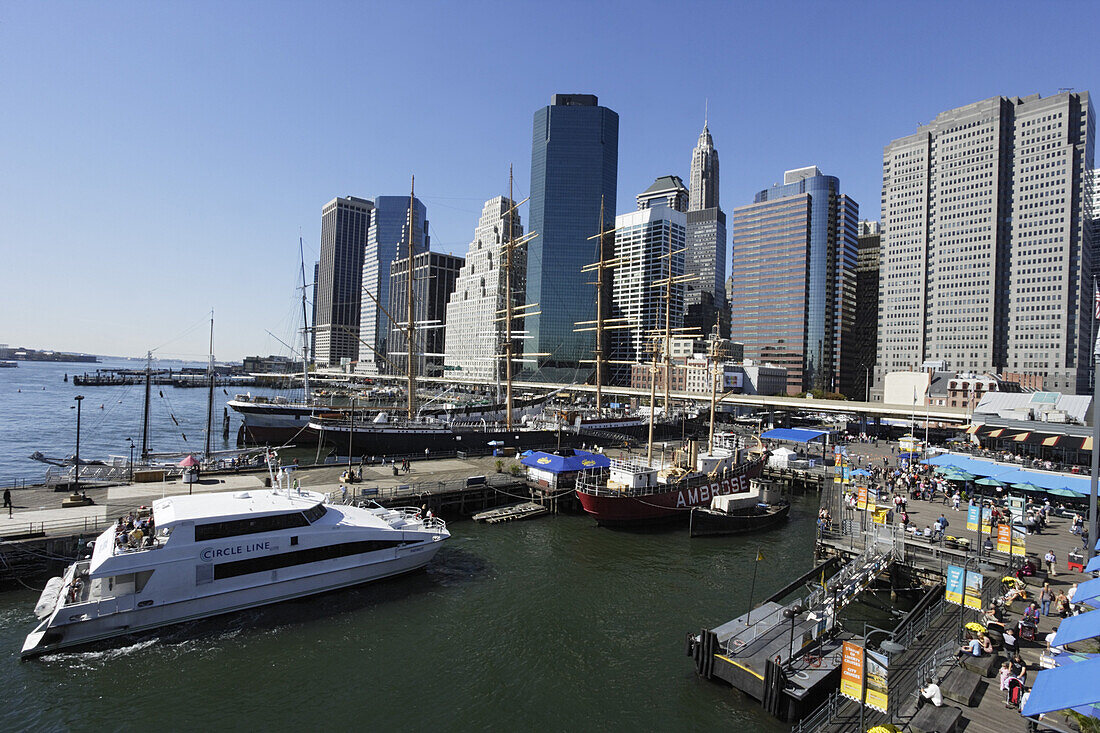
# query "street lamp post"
(792, 613)
(889, 646)
(76, 458)
(131, 459)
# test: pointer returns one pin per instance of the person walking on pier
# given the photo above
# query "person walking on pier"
(7, 499)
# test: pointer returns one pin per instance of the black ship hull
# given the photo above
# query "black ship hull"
(710, 523)
(386, 440)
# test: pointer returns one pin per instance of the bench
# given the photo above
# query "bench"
(932, 719)
(961, 686)
(984, 666)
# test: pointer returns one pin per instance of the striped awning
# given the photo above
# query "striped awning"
(996, 433)
(1021, 437)
(1051, 440)
(972, 429)
(1086, 444)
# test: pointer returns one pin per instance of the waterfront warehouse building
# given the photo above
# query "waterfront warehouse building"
(475, 334)
(574, 167)
(387, 240)
(793, 295)
(705, 298)
(434, 276)
(649, 244)
(344, 226)
(986, 242)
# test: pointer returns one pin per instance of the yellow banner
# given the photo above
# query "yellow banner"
(851, 671)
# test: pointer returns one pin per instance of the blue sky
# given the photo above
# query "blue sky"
(160, 159)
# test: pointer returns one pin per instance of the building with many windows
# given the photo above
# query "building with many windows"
(475, 334)
(649, 244)
(574, 168)
(986, 244)
(344, 226)
(866, 321)
(434, 276)
(386, 240)
(793, 295)
(705, 296)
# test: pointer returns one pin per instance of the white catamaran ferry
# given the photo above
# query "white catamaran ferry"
(216, 553)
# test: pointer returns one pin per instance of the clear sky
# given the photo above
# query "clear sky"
(159, 159)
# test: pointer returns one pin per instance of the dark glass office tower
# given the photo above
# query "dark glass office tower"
(344, 225)
(574, 162)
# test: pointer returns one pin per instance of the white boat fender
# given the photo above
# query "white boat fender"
(48, 600)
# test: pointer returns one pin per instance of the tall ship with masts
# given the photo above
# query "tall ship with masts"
(521, 424)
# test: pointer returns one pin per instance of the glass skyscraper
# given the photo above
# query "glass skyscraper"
(344, 226)
(387, 240)
(574, 164)
(793, 296)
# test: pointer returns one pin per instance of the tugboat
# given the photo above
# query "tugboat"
(740, 513)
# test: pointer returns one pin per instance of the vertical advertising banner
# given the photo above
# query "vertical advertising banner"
(972, 593)
(1019, 541)
(876, 681)
(954, 591)
(1004, 538)
(987, 520)
(851, 671)
(861, 497)
(972, 517)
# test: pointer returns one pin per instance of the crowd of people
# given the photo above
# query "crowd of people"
(134, 532)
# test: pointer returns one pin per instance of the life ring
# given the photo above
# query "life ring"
(738, 643)
(801, 675)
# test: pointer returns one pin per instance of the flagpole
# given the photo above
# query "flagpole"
(752, 588)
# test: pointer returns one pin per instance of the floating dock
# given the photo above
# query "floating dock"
(526, 510)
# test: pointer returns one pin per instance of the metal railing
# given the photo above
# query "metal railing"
(92, 525)
(825, 713)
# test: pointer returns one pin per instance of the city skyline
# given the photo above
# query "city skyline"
(164, 151)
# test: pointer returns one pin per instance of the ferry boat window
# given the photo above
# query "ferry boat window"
(315, 513)
(237, 527)
(299, 557)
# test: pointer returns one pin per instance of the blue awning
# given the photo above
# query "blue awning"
(1010, 474)
(1087, 591)
(1078, 628)
(1093, 565)
(580, 460)
(797, 435)
(1064, 687)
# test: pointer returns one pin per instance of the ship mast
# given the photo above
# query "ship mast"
(713, 393)
(508, 312)
(508, 309)
(305, 326)
(145, 415)
(210, 392)
(602, 323)
(411, 324)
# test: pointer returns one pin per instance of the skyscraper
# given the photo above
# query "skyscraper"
(704, 173)
(344, 226)
(665, 191)
(475, 333)
(386, 241)
(705, 299)
(434, 275)
(986, 247)
(574, 165)
(866, 321)
(794, 260)
(650, 243)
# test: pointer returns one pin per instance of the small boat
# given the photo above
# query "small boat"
(210, 554)
(10, 365)
(737, 514)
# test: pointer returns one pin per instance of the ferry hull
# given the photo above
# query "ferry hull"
(67, 635)
(614, 508)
